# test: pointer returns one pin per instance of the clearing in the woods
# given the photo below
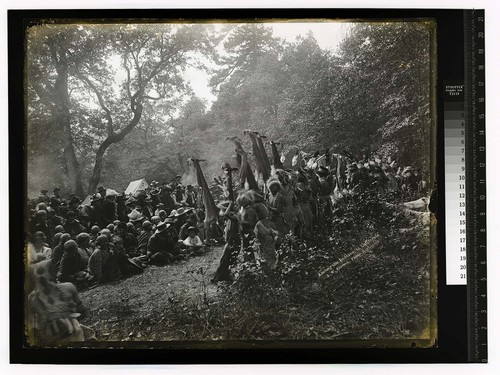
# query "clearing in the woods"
(137, 308)
(380, 294)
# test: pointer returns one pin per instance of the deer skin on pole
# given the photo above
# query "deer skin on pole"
(260, 167)
(245, 173)
(263, 153)
(210, 207)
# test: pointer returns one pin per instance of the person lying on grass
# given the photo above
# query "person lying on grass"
(193, 242)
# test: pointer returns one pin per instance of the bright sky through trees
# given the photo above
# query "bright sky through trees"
(328, 35)
(138, 101)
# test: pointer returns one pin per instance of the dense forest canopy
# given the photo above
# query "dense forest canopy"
(110, 104)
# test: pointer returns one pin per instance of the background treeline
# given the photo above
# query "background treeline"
(107, 105)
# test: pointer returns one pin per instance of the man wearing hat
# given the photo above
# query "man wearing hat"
(161, 246)
(145, 203)
(109, 209)
(73, 226)
(166, 198)
(180, 198)
(180, 217)
(155, 198)
(174, 233)
(136, 217)
(55, 200)
(74, 203)
(121, 208)
(63, 208)
(183, 212)
(190, 196)
(53, 219)
(97, 217)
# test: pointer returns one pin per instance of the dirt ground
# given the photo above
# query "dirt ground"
(136, 308)
(381, 295)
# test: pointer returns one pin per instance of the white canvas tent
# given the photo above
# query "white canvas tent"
(135, 186)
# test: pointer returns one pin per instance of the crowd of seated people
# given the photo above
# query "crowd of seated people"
(114, 235)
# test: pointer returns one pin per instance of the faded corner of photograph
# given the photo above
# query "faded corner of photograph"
(230, 183)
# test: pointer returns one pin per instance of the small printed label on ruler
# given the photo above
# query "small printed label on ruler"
(454, 144)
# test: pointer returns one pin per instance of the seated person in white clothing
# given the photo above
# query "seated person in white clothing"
(192, 242)
(38, 249)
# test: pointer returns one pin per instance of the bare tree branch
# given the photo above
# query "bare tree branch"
(92, 87)
(152, 97)
(125, 65)
(137, 67)
(117, 137)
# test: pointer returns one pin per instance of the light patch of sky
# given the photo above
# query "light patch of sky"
(328, 35)
(120, 74)
(89, 98)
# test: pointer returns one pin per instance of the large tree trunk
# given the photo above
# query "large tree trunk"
(96, 175)
(63, 118)
(112, 138)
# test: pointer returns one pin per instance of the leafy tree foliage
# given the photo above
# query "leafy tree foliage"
(371, 98)
(388, 67)
(117, 107)
(115, 71)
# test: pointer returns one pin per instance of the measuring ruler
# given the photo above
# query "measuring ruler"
(475, 185)
(455, 174)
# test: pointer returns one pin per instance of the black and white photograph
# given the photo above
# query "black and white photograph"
(230, 184)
